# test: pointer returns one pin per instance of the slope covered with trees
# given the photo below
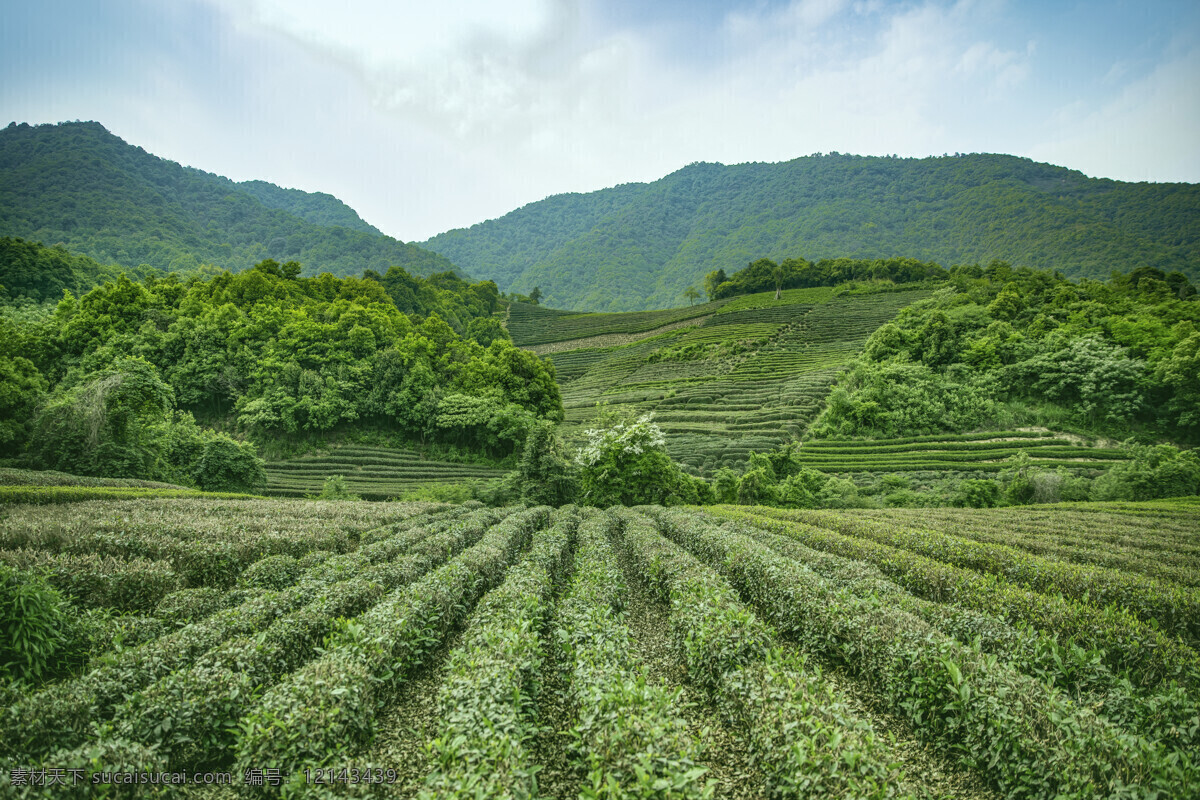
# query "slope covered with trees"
(78, 185)
(641, 246)
(111, 383)
(31, 272)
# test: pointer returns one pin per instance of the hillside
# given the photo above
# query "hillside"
(641, 246)
(78, 185)
(722, 378)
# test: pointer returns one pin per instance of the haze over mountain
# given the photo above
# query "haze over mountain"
(78, 185)
(639, 246)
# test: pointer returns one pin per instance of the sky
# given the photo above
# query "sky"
(428, 116)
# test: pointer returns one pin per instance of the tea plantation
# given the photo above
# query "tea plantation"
(267, 648)
(372, 473)
(722, 379)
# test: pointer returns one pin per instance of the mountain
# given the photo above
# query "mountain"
(78, 185)
(318, 208)
(640, 246)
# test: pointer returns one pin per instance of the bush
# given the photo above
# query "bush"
(627, 464)
(336, 488)
(977, 494)
(1153, 472)
(41, 636)
(190, 605)
(272, 572)
(226, 465)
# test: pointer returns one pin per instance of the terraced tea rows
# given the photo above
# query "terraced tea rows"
(980, 452)
(534, 325)
(751, 375)
(462, 652)
(373, 473)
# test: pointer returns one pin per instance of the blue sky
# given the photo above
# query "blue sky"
(426, 117)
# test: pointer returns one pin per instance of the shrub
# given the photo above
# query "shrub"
(190, 605)
(977, 494)
(41, 636)
(1154, 472)
(336, 488)
(627, 464)
(272, 572)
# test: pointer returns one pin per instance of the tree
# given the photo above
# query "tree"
(109, 424)
(627, 464)
(486, 330)
(692, 295)
(713, 281)
(21, 389)
(1097, 380)
(545, 475)
(535, 296)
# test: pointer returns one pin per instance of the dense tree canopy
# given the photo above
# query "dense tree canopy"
(79, 185)
(121, 370)
(1003, 346)
(640, 245)
(795, 273)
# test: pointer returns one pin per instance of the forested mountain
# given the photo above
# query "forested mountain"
(641, 246)
(78, 185)
(318, 208)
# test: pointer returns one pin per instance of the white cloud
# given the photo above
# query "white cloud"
(430, 116)
(1147, 132)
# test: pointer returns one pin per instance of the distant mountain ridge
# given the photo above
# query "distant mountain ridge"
(318, 208)
(639, 246)
(78, 185)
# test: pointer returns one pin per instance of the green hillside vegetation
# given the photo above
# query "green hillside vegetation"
(318, 208)
(371, 473)
(722, 379)
(110, 383)
(970, 654)
(1002, 347)
(642, 246)
(77, 185)
(32, 273)
(951, 390)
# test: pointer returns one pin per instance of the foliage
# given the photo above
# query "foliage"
(982, 708)
(545, 474)
(1154, 471)
(77, 184)
(21, 389)
(627, 464)
(796, 273)
(117, 422)
(275, 355)
(1000, 346)
(335, 489)
(988, 631)
(41, 636)
(108, 424)
(639, 246)
(32, 272)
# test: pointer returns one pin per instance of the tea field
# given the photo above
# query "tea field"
(724, 378)
(751, 373)
(294, 648)
(971, 453)
(372, 473)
